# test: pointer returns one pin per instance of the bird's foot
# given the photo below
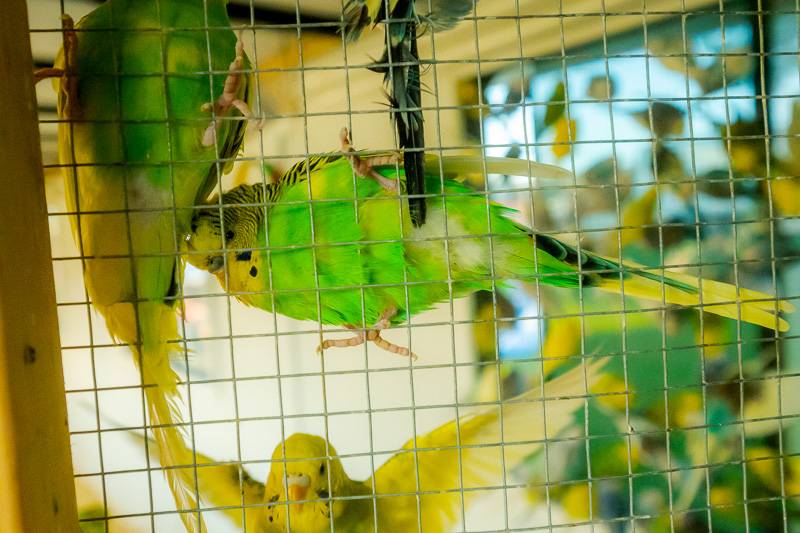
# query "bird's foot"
(373, 335)
(68, 88)
(357, 340)
(45, 73)
(402, 351)
(229, 99)
(364, 166)
(70, 47)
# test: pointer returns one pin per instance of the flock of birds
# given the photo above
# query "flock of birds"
(142, 153)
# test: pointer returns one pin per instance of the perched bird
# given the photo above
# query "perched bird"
(400, 66)
(307, 481)
(146, 130)
(363, 266)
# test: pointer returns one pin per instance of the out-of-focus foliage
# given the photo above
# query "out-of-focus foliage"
(695, 425)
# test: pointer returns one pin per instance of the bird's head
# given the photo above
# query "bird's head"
(205, 242)
(231, 226)
(305, 470)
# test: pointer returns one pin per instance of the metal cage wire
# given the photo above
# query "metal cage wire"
(270, 359)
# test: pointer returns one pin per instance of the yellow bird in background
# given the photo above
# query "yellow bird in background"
(307, 486)
(637, 214)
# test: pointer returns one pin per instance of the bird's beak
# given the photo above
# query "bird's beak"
(297, 486)
(216, 263)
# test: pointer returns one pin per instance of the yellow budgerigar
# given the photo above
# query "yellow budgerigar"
(307, 487)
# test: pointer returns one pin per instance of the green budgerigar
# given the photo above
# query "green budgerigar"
(318, 245)
(152, 97)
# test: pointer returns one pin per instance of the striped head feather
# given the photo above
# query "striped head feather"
(233, 223)
(231, 226)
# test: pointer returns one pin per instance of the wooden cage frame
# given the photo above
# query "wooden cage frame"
(38, 493)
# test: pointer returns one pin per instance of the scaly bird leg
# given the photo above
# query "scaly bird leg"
(44, 73)
(68, 88)
(373, 335)
(230, 96)
(357, 340)
(364, 167)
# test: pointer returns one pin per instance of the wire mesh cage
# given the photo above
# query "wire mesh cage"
(587, 392)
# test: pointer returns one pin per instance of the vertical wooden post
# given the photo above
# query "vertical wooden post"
(37, 494)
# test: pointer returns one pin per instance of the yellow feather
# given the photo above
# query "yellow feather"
(373, 6)
(562, 341)
(785, 194)
(636, 214)
(161, 394)
(452, 456)
(469, 454)
(716, 297)
(225, 486)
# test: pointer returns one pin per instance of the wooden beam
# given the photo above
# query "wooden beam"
(37, 492)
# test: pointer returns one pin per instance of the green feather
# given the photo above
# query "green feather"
(131, 147)
(318, 260)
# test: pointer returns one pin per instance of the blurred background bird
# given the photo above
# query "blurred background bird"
(307, 489)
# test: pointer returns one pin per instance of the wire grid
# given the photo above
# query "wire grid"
(289, 343)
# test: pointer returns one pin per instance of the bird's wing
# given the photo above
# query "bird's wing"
(438, 15)
(469, 455)
(361, 14)
(229, 487)
(226, 486)
(443, 14)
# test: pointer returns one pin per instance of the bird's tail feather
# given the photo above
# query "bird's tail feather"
(165, 419)
(631, 279)
(711, 296)
(158, 326)
(453, 166)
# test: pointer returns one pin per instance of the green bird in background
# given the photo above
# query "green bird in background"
(150, 95)
(304, 248)
(400, 66)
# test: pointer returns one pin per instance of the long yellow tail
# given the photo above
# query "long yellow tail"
(707, 295)
(159, 327)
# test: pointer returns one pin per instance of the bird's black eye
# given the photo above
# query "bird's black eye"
(323, 494)
(322, 468)
(229, 235)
